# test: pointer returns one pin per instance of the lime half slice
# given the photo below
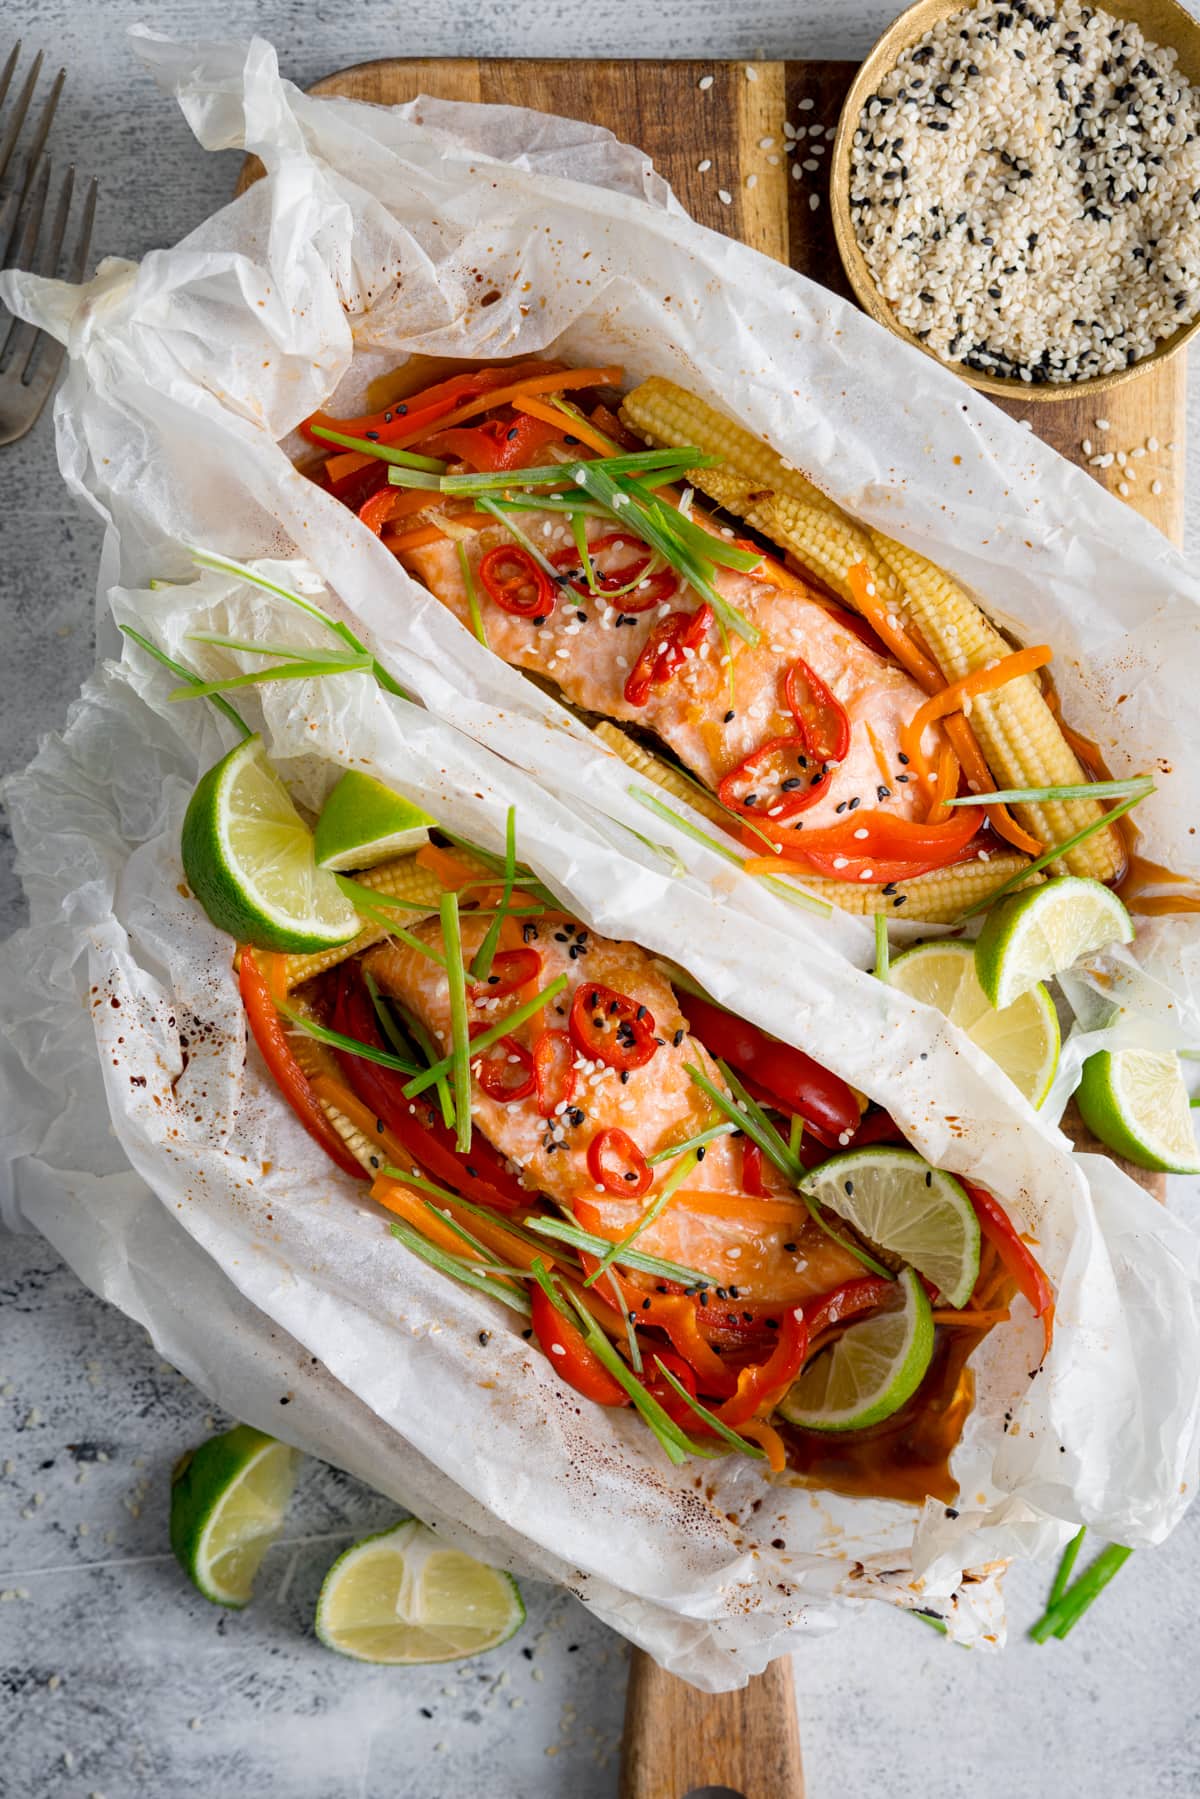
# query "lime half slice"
(228, 1499)
(1045, 930)
(895, 1199)
(248, 858)
(362, 822)
(1023, 1038)
(1135, 1101)
(404, 1597)
(872, 1369)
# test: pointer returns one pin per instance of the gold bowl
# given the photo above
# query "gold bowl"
(1164, 22)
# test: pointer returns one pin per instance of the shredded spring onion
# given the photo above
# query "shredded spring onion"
(366, 446)
(464, 565)
(492, 1035)
(1052, 855)
(459, 1269)
(177, 668)
(460, 1038)
(715, 1424)
(578, 1238)
(1088, 790)
(481, 967)
(658, 1205)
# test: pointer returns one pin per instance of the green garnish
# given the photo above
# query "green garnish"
(696, 1142)
(617, 1251)
(1066, 1566)
(1060, 1618)
(1139, 785)
(795, 1134)
(662, 850)
(526, 543)
(459, 1269)
(287, 651)
(185, 674)
(578, 1238)
(882, 949)
(481, 967)
(794, 895)
(468, 1237)
(552, 502)
(460, 1040)
(741, 1444)
(421, 1037)
(372, 905)
(938, 1624)
(351, 1045)
(290, 671)
(1052, 855)
(367, 447)
(486, 1038)
(464, 565)
(555, 474)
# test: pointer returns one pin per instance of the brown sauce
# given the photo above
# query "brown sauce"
(907, 1457)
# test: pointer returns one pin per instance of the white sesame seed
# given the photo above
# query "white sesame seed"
(814, 200)
(1152, 444)
(752, 181)
(704, 83)
(774, 161)
(702, 168)
(751, 74)
(1086, 446)
(805, 105)
(1102, 425)
(766, 143)
(1156, 488)
(1123, 488)
(797, 172)
(724, 196)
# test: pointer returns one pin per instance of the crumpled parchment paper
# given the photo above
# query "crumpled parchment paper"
(165, 1168)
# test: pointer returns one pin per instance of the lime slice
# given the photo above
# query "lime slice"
(1044, 930)
(363, 821)
(1023, 1038)
(403, 1597)
(1135, 1101)
(896, 1200)
(871, 1370)
(248, 857)
(227, 1503)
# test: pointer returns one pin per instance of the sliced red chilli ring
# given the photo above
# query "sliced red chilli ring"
(553, 1071)
(665, 652)
(510, 576)
(651, 591)
(512, 969)
(775, 781)
(609, 1027)
(504, 1070)
(617, 1164)
(820, 717)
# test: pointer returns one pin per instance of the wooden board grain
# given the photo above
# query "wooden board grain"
(679, 1741)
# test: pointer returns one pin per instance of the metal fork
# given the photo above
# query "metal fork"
(29, 360)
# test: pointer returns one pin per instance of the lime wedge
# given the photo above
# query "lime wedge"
(1135, 1101)
(871, 1370)
(896, 1200)
(227, 1503)
(248, 857)
(403, 1597)
(1045, 930)
(1023, 1038)
(363, 821)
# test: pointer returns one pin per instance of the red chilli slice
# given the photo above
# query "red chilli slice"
(504, 1070)
(609, 1027)
(821, 718)
(774, 781)
(665, 652)
(518, 584)
(617, 1164)
(553, 1071)
(512, 969)
(651, 592)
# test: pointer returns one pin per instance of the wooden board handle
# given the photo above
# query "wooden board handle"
(683, 1744)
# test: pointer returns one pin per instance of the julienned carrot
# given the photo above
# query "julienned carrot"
(571, 426)
(741, 1205)
(979, 779)
(345, 463)
(447, 867)
(945, 785)
(981, 680)
(500, 396)
(972, 1320)
(414, 540)
(768, 1439)
(913, 660)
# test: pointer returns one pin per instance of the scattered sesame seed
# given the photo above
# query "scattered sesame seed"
(724, 196)
(766, 143)
(1086, 446)
(703, 167)
(704, 83)
(752, 181)
(814, 200)
(805, 105)
(1152, 444)
(1156, 488)
(751, 74)
(1102, 425)
(1123, 489)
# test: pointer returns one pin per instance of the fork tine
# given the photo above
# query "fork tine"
(79, 266)
(43, 125)
(14, 130)
(34, 212)
(48, 261)
(40, 372)
(6, 74)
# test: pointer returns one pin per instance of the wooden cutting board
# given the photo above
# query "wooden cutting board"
(679, 1742)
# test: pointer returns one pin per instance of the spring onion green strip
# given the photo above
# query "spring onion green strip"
(1088, 790)
(290, 671)
(782, 889)
(526, 543)
(468, 580)
(366, 901)
(1052, 855)
(635, 1349)
(709, 545)
(552, 502)
(225, 565)
(422, 1185)
(679, 977)
(735, 819)
(367, 447)
(421, 1037)
(727, 659)
(309, 654)
(796, 896)
(460, 1035)
(492, 1035)
(663, 850)
(1059, 1620)
(616, 1251)
(938, 1624)
(882, 950)
(697, 1142)
(1070, 1556)
(553, 473)
(573, 413)
(177, 668)
(468, 1237)
(481, 967)
(458, 1269)
(715, 1424)
(578, 1238)
(415, 477)
(338, 1040)
(795, 1134)
(527, 881)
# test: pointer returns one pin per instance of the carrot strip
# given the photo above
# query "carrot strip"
(414, 540)
(519, 390)
(945, 786)
(913, 660)
(446, 866)
(347, 462)
(715, 1204)
(979, 779)
(972, 1320)
(768, 1439)
(950, 699)
(570, 426)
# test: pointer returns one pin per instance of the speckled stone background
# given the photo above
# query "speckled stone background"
(116, 1680)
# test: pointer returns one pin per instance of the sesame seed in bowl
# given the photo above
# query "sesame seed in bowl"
(1017, 188)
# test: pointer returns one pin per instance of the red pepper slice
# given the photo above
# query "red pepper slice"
(676, 1409)
(774, 781)
(481, 1175)
(504, 1070)
(845, 1302)
(821, 717)
(663, 653)
(905, 844)
(763, 1384)
(553, 1071)
(266, 1027)
(651, 592)
(514, 441)
(358, 486)
(518, 584)
(419, 410)
(512, 969)
(793, 1079)
(609, 1027)
(614, 1145)
(570, 1356)
(752, 1169)
(1018, 1260)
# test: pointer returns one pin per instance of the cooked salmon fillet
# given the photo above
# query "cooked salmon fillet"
(739, 1245)
(588, 647)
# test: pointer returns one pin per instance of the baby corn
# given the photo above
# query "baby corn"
(1016, 729)
(940, 897)
(653, 768)
(401, 879)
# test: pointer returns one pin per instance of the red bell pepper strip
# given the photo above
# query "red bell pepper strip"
(267, 1029)
(480, 1175)
(876, 1127)
(615, 1145)
(517, 584)
(507, 443)
(820, 716)
(553, 1071)
(665, 652)
(752, 1169)
(889, 840)
(651, 592)
(609, 1027)
(763, 1384)
(423, 410)
(676, 1409)
(569, 1355)
(794, 1080)
(512, 969)
(505, 1070)
(773, 781)
(845, 1302)
(1018, 1260)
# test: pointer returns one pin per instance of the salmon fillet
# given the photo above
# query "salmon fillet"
(588, 647)
(742, 1245)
